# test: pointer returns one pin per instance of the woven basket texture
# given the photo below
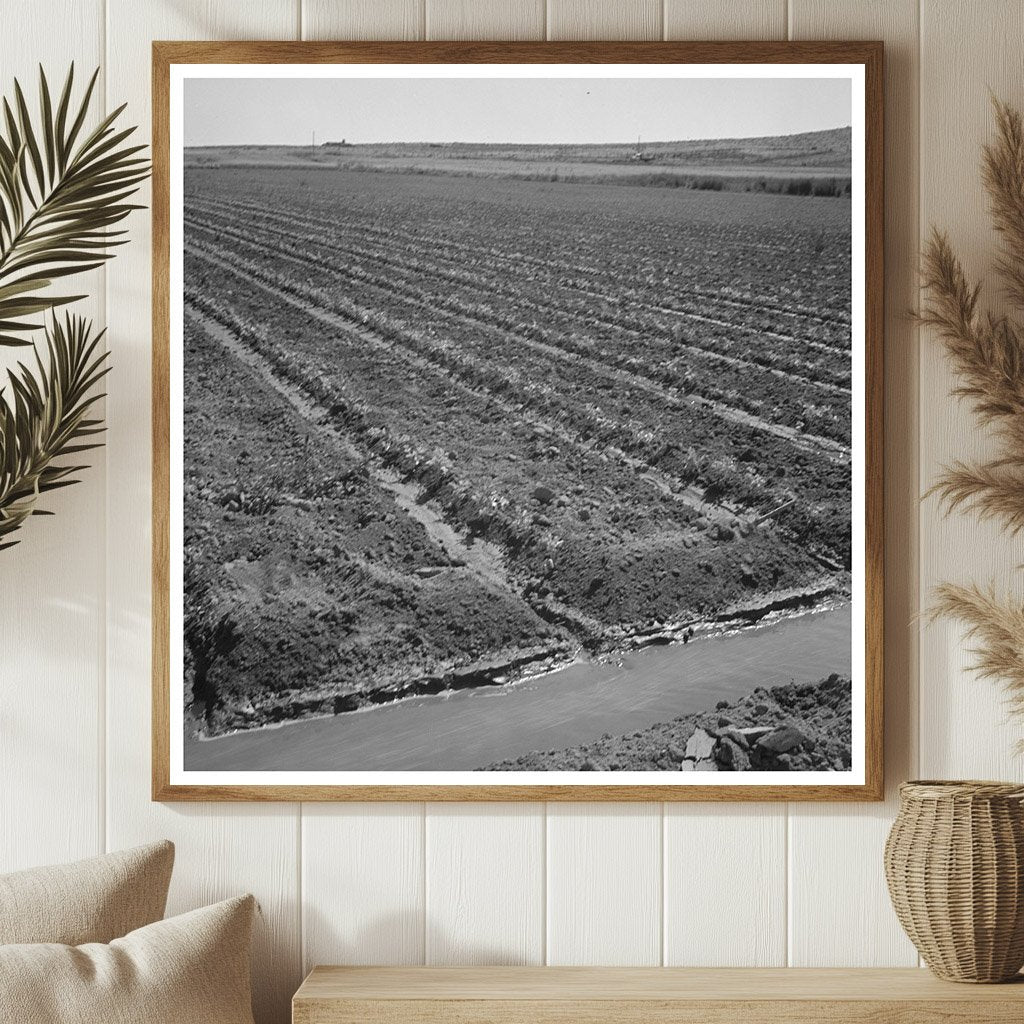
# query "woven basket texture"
(954, 862)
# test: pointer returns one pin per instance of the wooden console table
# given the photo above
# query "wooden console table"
(646, 995)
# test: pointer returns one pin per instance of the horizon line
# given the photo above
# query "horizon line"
(462, 142)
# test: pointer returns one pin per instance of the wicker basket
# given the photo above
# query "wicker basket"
(954, 862)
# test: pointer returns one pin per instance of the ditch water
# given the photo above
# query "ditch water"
(468, 729)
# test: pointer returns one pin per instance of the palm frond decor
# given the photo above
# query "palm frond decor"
(61, 193)
(63, 190)
(987, 354)
(47, 417)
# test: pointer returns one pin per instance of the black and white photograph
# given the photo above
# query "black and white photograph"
(517, 424)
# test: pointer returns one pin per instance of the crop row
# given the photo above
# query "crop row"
(724, 388)
(670, 370)
(495, 514)
(719, 474)
(316, 575)
(722, 261)
(669, 285)
(808, 364)
(548, 575)
(585, 576)
(591, 436)
(454, 346)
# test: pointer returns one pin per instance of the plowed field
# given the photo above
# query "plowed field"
(440, 431)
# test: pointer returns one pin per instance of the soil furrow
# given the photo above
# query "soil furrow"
(391, 233)
(431, 357)
(549, 309)
(799, 440)
(433, 248)
(481, 558)
(484, 559)
(671, 487)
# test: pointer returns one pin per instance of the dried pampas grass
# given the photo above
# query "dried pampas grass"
(996, 629)
(987, 353)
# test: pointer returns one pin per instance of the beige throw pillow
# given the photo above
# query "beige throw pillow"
(191, 969)
(92, 900)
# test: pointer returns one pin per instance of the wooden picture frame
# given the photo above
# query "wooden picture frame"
(166, 785)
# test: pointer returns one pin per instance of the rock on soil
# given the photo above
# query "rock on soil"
(803, 727)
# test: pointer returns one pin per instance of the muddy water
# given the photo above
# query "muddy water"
(471, 728)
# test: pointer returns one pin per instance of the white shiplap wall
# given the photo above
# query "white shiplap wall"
(510, 883)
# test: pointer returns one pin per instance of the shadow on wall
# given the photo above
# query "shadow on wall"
(275, 973)
(395, 939)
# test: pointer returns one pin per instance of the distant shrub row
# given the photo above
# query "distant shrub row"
(713, 183)
(650, 179)
(807, 186)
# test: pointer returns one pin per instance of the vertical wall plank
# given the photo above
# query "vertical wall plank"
(485, 884)
(725, 863)
(363, 19)
(485, 19)
(725, 885)
(604, 19)
(362, 884)
(725, 19)
(836, 851)
(363, 868)
(604, 884)
(222, 848)
(840, 914)
(966, 731)
(604, 862)
(51, 584)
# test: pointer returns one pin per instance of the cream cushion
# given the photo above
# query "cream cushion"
(93, 900)
(191, 969)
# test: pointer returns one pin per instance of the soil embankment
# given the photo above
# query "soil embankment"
(784, 728)
(467, 729)
(508, 665)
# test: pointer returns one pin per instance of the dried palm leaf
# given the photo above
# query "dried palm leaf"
(45, 418)
(62, 190)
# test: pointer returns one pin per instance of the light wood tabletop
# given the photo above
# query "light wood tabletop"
(602, 995)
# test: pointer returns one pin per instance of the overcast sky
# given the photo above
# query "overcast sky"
(282, 111)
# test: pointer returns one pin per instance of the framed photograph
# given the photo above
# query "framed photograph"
(517, 421)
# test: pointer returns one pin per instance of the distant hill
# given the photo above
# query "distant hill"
(810, 163)
(830, 149)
